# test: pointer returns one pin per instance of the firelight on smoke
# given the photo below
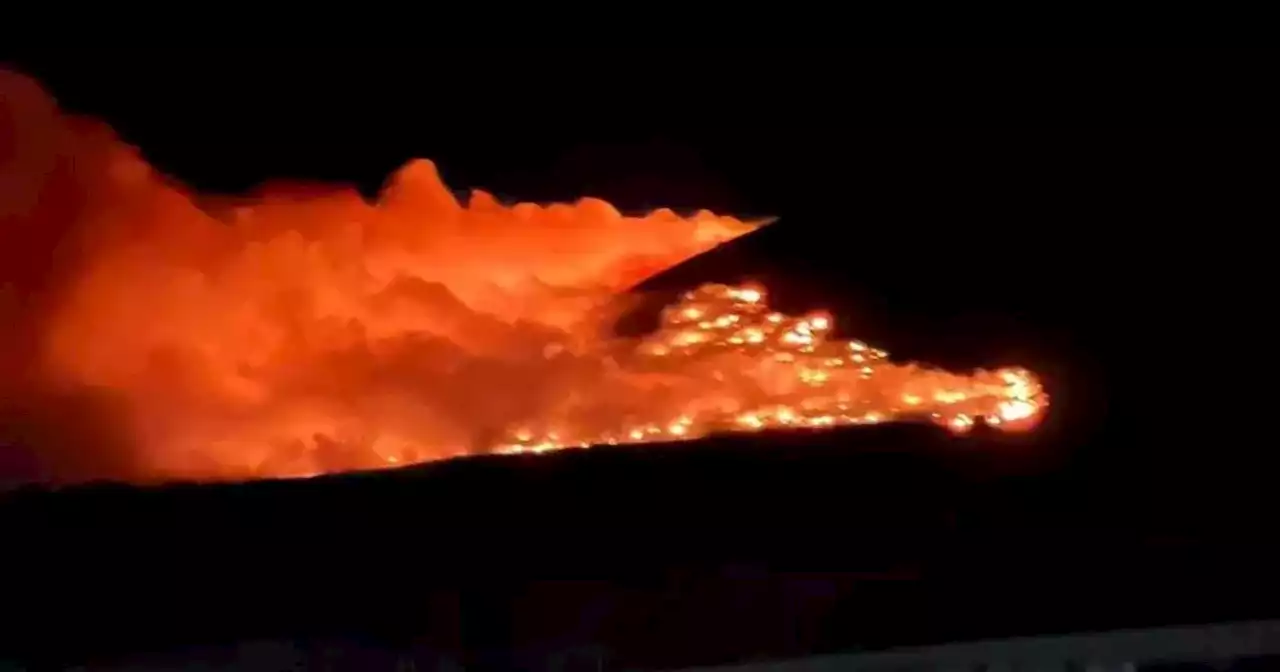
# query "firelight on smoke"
(292, 335)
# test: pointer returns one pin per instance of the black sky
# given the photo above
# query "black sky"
(1074, 210)
(1101, 172)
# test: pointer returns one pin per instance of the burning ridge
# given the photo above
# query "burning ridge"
(158, 335)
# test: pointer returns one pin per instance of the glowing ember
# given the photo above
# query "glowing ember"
(299, 334)
(729, 364)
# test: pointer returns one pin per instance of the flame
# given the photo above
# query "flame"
(298, 334)
(721, 361)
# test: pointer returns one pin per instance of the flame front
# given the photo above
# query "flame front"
(297, 333)
(722, 361)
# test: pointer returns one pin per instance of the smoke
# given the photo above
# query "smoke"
(151, 334)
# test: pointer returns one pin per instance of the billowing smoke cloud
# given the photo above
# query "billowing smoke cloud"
(146, 336)
(149, 334)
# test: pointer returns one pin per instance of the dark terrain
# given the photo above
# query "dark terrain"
(667, 555)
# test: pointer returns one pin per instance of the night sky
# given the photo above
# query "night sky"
(1081, 198)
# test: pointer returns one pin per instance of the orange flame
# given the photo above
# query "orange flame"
(722, 361)
(297, 335)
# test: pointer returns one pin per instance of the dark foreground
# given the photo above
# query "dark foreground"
(664, 556)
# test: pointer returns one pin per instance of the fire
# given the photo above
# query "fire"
(724, 363)
(291, 335)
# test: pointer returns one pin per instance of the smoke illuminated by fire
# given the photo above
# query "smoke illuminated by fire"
(300, 334)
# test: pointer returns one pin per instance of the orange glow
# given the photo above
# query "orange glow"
(293, 335)
(723, 362)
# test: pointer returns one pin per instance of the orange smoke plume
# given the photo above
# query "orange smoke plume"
(297, 334)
